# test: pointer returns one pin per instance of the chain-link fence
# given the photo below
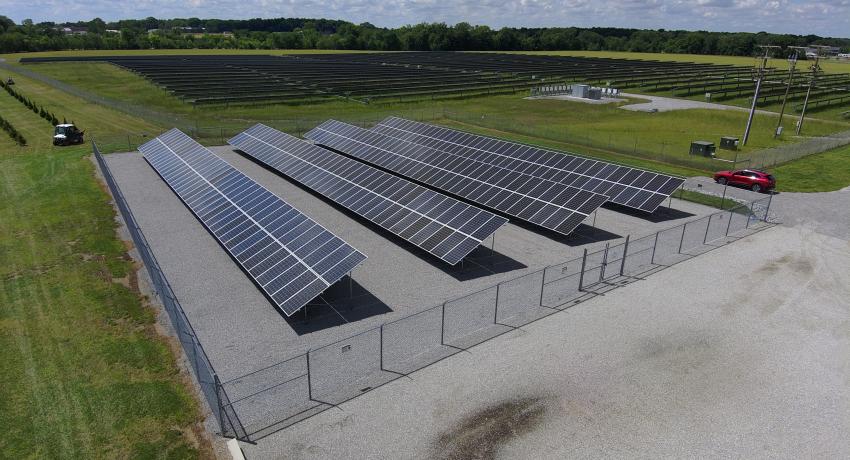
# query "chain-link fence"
(219, 403)
(675, 153)
(278, 396)
(269, 399)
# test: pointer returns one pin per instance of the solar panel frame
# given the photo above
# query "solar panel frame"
(290, 257)
(489, 185)
(371, 193)
(621, 184)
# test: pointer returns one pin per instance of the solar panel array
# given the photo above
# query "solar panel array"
(546, 203)
(443, 226)
(635, 188)
(289, 256)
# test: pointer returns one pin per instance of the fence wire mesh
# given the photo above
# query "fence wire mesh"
(269, 399)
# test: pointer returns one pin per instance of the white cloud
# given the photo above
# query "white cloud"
(822, 17)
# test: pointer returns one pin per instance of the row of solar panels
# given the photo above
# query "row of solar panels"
(293, 259)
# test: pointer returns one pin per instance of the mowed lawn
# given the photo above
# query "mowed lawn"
(823, 172)
(652, 140)
(84, 373)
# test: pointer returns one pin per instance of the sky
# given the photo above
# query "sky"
(819, 17)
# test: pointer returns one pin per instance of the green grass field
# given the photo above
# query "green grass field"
(828, 65)
(86, 374)
(658, 141)
(822, 172)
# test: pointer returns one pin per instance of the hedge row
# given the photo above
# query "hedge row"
(13, 133)
(41, 111)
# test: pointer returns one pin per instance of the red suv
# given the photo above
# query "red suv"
(757, 181)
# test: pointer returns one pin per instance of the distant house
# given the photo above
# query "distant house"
(113, 31)
(73, 30)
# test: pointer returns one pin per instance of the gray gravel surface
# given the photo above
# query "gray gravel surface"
(667, 104)
(242, 332)
(742, 352)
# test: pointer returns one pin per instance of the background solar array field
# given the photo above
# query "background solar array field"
(441, 225)
(635, 188)
(542, 202)
(291, 257)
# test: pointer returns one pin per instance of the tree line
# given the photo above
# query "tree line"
(299, 33)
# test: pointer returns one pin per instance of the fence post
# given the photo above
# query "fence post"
(309, 379)
(654, 245)
(604, 263)
(766, 211)
(729, 224)
(443, 326)
(496, 309)
(749, 215)
(218, 390)
(625, 253)
(542, 286)
(682, 240)
(707, 226)
(381, 349)
(581, 273)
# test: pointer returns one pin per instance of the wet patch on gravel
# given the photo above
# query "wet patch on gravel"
(481, 434)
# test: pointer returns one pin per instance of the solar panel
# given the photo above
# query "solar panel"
(288, 255)
(545, 203)
(635, 188)
(443, 226)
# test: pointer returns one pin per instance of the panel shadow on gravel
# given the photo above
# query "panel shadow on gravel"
(661, 214)
(481, 262)
(344, 302)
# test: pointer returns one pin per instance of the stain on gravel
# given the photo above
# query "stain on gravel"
(481, 434)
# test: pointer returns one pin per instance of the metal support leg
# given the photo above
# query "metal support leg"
(682, 240)
(604, 263)
(581, 273)
(542, 286)
(309, 380)
(654, 245)
(707, 226)
(625, 254)
(443, 326)
(496, 309)
(729, 224)
(381, 349)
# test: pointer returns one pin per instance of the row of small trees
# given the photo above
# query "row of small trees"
(38, 109)
(13, 133)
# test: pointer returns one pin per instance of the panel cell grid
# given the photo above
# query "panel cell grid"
(542, 202)
(419, 215)
(635, 188)
(288, 255)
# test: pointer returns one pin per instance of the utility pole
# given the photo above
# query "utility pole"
(761, 72)
(815, 69)
(792, 65)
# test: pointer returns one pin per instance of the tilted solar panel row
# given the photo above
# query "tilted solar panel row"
(632, 187)
(288, 255)
(546, 203)
(447, 228)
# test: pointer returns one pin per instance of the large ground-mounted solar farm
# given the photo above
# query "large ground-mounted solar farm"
(318, 231)
(410, 76)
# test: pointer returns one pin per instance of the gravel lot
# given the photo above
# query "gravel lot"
(667, 104)
(242, 332)
(742, 352)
